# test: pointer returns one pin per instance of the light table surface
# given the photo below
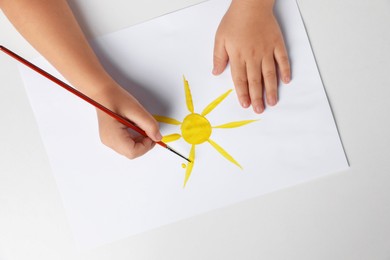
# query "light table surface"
(342, 216)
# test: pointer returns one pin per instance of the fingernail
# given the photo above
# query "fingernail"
(245, 104)
(272, 101)
(286, 79)
(158, 136)
(258, 109)
(215, 70)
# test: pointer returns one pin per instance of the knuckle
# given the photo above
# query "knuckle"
(255, 82)
(218, 59)
(284, 60)
(257, 98)
(270, 74)
(129, 154)
(257, 101)
(271, 90)
(243, 97)
(241, 81)
(254, 52)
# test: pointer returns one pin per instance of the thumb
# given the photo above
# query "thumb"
(221, 57)
(146, 122)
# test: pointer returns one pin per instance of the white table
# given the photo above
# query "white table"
(342, 216)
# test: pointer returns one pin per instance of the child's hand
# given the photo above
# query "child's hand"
(117, 136)
(52, 29)
(250, 38)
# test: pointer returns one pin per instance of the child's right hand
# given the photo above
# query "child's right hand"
(52, 29)
(116, 135)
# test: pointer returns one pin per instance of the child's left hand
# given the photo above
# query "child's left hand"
(250, 38)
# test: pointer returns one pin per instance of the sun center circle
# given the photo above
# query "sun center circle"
(195, 129)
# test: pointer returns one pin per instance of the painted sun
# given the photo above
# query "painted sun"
(196, 128)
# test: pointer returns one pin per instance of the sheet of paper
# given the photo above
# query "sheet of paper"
(108, 197)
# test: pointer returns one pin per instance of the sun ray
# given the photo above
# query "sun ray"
(187, 91)
(190, 165)
(215, 103)
(171, 138)
(166, 120)
(235, 124)
(224, 153)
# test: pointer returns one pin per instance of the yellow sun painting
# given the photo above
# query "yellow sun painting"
(196, 129)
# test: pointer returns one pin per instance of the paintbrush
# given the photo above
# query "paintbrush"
(85, 98)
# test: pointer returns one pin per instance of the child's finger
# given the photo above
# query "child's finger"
(130, 147)
(134, 148)
(255, 85)
(270, 81)
(220, 58)
(240, 80)
(282, 60)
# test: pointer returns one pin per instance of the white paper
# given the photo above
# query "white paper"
(108, 197)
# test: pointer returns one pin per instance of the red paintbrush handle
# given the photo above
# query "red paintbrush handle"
(77, 93)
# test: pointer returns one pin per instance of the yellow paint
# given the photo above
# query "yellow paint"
(235, 124)
(166, 120)
(215, 103)
(224, 153)
(195, 129)
(170, 138)
(190, 165)
(187, 91)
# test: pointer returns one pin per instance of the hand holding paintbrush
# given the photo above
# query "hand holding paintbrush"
(122, 123)
(52, 30)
